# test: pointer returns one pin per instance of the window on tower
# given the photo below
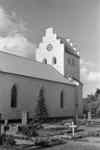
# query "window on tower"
(54, 61)
(44, 61)
(73, 62)
(69, 61)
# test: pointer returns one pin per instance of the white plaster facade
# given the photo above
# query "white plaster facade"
(27, 95)
(57, 51)
(62, 51)
(67, 58)
(29, 76)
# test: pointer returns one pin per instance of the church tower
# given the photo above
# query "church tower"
(60, 54)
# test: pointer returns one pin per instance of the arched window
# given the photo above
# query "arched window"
(61, 99)
(54, 61)
(14, 96)
(44, 61)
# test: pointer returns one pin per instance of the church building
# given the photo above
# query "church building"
(56, 70)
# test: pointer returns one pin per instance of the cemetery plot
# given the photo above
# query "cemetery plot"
(51, 134)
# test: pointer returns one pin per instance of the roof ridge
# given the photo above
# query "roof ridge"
(17, 65)
(67, 46)
(21, 57)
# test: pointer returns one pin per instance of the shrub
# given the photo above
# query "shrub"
(45, 142)
(10, 140)
(37, 124)
(6, 128)
(42, 142)
(94, 133)
(27, 130)
(41, 110)
(2, 139)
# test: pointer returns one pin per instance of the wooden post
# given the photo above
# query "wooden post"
(76, 105)
(1, 141)
(24, 118)
(89, 116)
(0, 123)
(5, 126)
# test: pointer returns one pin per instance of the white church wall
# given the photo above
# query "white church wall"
(28, 90)
(5, 97)
(53, 99)
(57, 50)
(80, 95)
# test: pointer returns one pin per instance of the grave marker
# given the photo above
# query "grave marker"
(0, 123)
(89, 116)
(24, 118)
(73, 126)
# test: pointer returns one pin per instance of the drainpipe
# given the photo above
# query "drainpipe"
(76, 104)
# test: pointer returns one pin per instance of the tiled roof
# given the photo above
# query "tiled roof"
(10, 63)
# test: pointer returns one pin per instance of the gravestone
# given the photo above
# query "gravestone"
(89, 116)
(84, 116)
(24, 118)
(5, 122)
(6, 126)
(73, 126)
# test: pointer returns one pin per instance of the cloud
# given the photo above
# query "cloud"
(18, 45)
(87, 73)
(94, 76)
(12, 35)
(9, 23)
(89, 77)
(86, 63)
(83, 73)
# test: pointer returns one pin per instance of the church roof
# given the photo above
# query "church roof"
(13, 64)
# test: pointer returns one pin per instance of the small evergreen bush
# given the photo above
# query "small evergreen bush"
(41, 110)
(2, 139)
(42, 142)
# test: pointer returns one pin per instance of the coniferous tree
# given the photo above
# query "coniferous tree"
(41, 110)
(92, 103)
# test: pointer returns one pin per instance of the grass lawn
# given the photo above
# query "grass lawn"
(71, 145)
(76, 146)
(90, 142)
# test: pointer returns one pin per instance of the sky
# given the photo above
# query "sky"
(22, 25)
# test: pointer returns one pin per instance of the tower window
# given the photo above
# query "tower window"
(54, 61)
(44, 61)
(14, 96)
(69, 61)
(73, 62)
(61, 99)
